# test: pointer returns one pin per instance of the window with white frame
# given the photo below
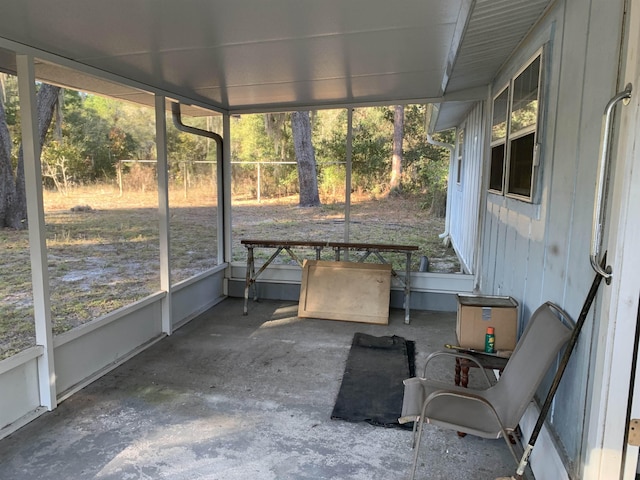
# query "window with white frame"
(514, 129)
(459, 154)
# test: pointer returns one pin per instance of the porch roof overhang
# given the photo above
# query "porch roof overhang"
(280, 55)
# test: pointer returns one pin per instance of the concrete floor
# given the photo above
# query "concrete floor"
(243, 397)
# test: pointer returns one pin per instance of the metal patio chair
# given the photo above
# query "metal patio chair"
(493, 412)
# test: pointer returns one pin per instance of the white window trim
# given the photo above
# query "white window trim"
(522, 132)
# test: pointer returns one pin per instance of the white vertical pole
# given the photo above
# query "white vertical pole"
(163, 211)
(347, 190)
(37, 238)
(259, 181)
(224, 200)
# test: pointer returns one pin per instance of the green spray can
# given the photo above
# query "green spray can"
(490, 341)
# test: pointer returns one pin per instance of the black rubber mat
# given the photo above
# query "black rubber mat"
(372, 389)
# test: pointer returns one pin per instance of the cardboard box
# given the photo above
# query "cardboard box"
(476, 313)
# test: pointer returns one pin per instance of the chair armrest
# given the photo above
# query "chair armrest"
(456, 354)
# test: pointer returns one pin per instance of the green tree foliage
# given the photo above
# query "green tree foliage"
(425, 167)
(97, 132)
(183, 149)
(371, 146)
(62, 163)
(100, 131)
(251, 142)
(276, 126)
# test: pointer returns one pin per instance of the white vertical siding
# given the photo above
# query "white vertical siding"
(465, 201)
(538, 252)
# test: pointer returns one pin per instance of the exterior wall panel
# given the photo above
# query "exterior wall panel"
(85, 355)
(19, 387)
(538, 252)
(465, 202)
(194, 296)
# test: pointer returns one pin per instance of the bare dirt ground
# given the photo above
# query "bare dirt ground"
(105, 254)
(396, 220)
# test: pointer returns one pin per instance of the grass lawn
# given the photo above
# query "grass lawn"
(107, 256)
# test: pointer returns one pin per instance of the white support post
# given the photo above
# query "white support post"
(347, 189)
(37, 238)
(163, 210)
(224, 195)
(616, 392)
(259, 182)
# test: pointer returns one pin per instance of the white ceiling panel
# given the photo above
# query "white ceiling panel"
(495, 29)
(252, 55)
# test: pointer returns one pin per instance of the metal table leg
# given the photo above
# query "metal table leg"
(407, 290)
(249, 277)
(252, 275)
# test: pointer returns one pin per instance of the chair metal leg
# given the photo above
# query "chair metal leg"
(417, 449)
(413, 433)
(507, 440)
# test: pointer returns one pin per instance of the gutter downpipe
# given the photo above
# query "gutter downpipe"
(177, 122)
(445, 235)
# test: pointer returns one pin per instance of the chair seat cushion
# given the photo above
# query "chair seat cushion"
(450, 407)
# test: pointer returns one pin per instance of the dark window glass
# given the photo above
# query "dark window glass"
(497, 167)
(521, 165)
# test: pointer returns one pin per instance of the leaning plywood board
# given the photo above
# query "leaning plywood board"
(354, 292)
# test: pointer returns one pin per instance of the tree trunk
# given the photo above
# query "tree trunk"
(13, 201)
(7, 185)
(396, 159)
(306, 159)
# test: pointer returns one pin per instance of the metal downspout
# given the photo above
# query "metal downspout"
(447, 220)
(177, 122)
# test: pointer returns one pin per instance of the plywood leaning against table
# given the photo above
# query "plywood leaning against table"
(353, 292)
(367, 249)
